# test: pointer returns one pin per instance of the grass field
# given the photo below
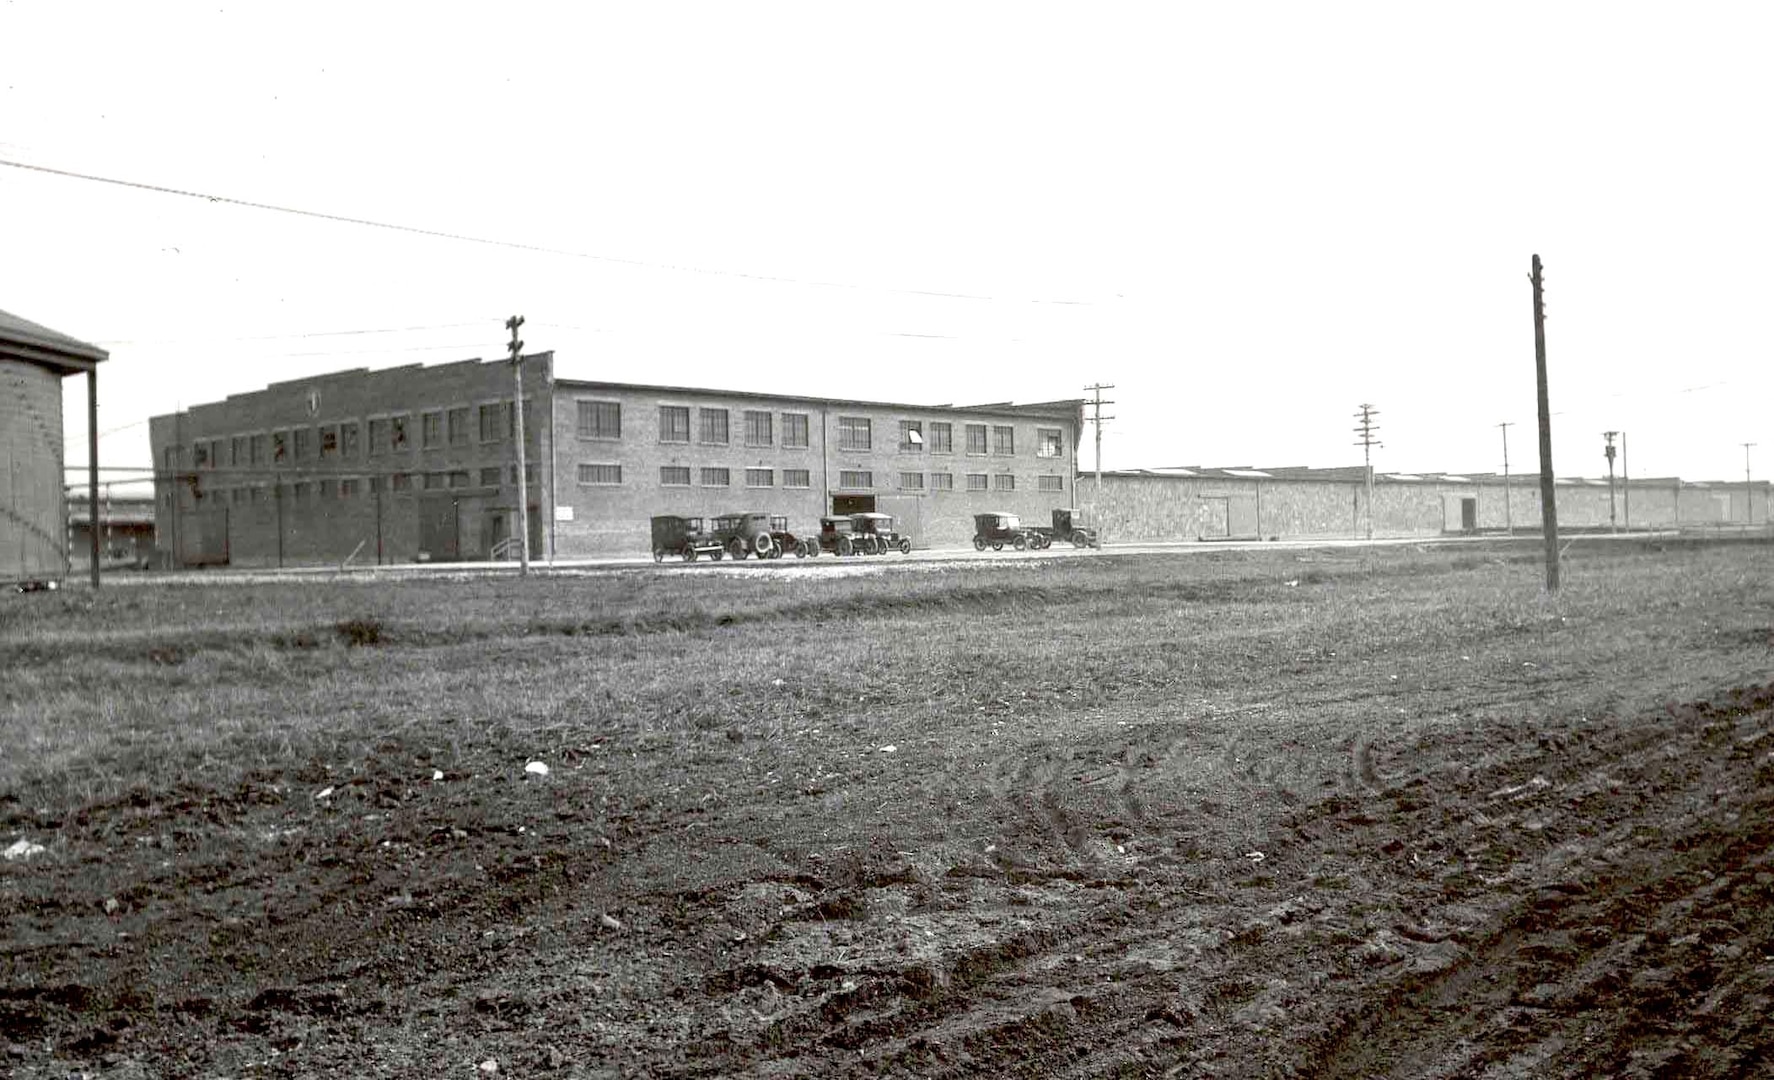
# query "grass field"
(1111, 816)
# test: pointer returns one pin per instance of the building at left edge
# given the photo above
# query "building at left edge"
(420, 463)
(33, 504)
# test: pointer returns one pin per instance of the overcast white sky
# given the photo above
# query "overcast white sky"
(1250, 218)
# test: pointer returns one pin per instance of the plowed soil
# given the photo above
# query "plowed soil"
(1308, 815)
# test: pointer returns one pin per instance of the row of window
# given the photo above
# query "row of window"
(461, 425)
(350, 486)
(603, 420)
(602, 474)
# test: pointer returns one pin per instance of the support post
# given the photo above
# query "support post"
(517, 427)
(1625, 487)
(1508, 517)
(92, 466)
(1548, 492)
(1097, 418)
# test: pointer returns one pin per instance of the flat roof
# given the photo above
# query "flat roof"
(1065, 407)
(33, 343)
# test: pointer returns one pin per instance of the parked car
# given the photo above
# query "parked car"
(683, 536)
(996, 529)
(802, 546)
(743, 534)
(877, 530)
(1069, 527)
(838, 535)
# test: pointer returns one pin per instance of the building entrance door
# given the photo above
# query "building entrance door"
(852, 504)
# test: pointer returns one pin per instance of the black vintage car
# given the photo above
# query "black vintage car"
(743, 534)
(876, 533)
(802, 546)
(683, 536)
(838, 535)
(1069, 527)
(995, 529)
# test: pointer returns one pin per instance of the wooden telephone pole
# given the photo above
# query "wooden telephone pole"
(1508, 517)
(517, 427)
(1367, 442)
(1097, 418)
(1548, 495)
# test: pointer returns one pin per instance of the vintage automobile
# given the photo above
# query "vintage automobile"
(995, 529)
(1069, 527)
(838, 535)
(683, 536)
(876, 533)
(743, 534)
(802, 546)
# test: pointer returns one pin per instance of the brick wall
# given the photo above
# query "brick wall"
(33, 516)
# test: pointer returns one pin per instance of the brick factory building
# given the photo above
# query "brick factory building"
(419, 463)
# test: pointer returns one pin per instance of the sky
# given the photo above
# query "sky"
(1249, 219)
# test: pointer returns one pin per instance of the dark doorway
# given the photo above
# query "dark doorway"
(852, 504)
(1469, 515)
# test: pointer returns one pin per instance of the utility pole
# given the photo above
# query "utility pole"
(1097, 418)
(1613, 526)
(1508, 519)
(1748, 492)
(1367, 442)
(517, 427)
(1548, 493)
(1625, 487)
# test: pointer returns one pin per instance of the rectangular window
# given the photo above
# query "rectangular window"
(911, 436)
(329, 441)
(458, 425)
(1004, 482)
(377, 485)
(758, 429)
(397, 432)
(348, 488)
(239, 495)
(326, 489)
(854, 433)
(459, 478)
(794, 430)
(402, 481)
(1050, 483)
(942, 437)
(713, 426)
(600, 420)
(856, 478)
(258, 494)
(712, 477)
(1050, 442)
(261, 449)
(280, 447)
(435, 480)
(911, 481)
(239, 452)
(378, 438)
(760, 478)
(797, 478)
(976, 481)
(1003, 439)
(348, 440)
(489, 476)
(200, 455)
(529, 474)
(492, 428)
(674, 423)
(674, 475)
(976, 438)
(302, 490)
(942, 481)
(431, 429)
(600, 474)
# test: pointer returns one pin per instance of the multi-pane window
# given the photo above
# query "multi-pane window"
(301, 489)
(760, 478)
(529, 474)
(402, 481)
(459, 478)
(377, 485)
(261, 449)
(759, 431)
(458, 425)
(976, 481)
(1050, 483)
(911, 481)
(674, 423)
(348, 439)
(713, 477)
(329, 441)
(976, 438)
(942, 481)
(600, 420)
(797, 478)
(200, 455)
(856, 478)
(942, 437)
(674, 475)
(348, 487)
(327, 489)
(1003, 439)
(239, 450)
(794, 430)
(378, 438)
(489, 476)
(1050, 442)
(713, 426)
(258, 493)
(435, 480)
(491, 430)
(431, 427)
(854, 433)
(397, 432)
(1004, 482)
(239, 495)
(600, 474)
(280, 449)
(911, 436)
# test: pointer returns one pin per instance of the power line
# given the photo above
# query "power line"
(443, 234)
(285, 337)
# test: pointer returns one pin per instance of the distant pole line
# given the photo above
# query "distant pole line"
(1366, 428)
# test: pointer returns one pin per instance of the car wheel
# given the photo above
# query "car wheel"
(905, 547)
(716, 554)
(979, 543)
(1079, 541)
(997, 545)
(1021, 543)
(658, 554)
(762, 544)
(845, 547)
(736, 547)
(689, 554)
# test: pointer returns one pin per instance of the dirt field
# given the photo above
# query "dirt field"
(1308, 814)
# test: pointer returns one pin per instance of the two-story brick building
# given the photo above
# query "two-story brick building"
(420, 463)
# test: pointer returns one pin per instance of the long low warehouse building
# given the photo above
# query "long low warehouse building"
(1191, 504)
